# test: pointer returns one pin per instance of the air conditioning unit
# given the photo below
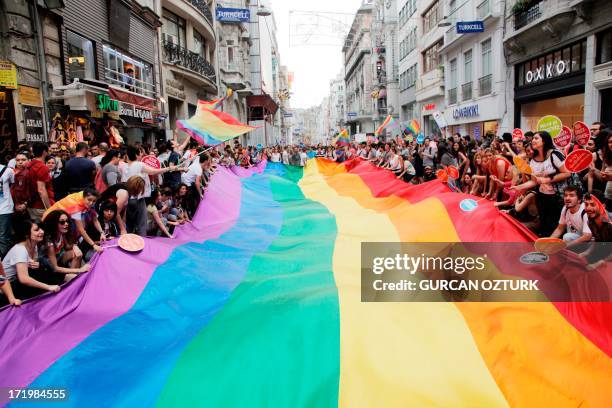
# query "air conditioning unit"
(169, 38)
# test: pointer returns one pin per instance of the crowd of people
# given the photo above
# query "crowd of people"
(59, 204)
(541, 193)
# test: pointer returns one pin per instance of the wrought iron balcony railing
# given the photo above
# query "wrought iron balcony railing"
(176, 54)
(202, 6)
(528, 15)
(452, 96)
(466, 91)
(485, 84)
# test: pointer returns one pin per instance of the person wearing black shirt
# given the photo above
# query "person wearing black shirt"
(80, 171)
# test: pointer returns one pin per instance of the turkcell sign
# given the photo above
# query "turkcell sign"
(233, 15)
(464, 27)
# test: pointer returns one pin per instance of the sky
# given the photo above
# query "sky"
(303, 27)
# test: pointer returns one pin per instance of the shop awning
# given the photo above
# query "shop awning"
(262, 101)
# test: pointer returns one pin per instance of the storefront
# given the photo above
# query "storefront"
(429, 125)
(90, 107)
(551, 84)
(474, 119)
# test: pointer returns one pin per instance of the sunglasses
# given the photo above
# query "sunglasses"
(62, 222)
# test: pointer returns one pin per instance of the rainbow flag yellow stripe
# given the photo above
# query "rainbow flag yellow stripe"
(257, 303)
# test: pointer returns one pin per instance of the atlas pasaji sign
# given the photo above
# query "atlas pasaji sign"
(464, 27)
(233, 15)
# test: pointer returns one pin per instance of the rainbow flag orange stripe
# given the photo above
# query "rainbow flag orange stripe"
(258, 303)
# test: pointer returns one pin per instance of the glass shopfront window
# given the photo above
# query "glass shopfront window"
(567, 108)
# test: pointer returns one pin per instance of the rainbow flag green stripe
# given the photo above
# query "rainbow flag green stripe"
(258, 304)
(280, 328)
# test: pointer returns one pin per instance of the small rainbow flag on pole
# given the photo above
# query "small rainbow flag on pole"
(389, 121)
(413, 128)
(343, 138)
(211, 127)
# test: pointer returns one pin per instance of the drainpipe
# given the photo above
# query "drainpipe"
(42, 66)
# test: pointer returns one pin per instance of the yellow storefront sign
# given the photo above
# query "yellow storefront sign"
(29, 96)
(8, 75)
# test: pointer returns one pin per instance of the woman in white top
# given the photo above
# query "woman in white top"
(548, 175)
(408, 171)
(21, 265)
(276, 156)
(395, 164)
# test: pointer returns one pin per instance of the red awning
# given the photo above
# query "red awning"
(262, 101)
(129, 97)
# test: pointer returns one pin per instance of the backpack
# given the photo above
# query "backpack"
(20, 190)
(573, 180)
(99, 182)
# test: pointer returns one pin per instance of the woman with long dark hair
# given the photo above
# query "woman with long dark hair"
(63, 255)
(549, 175)
(21, 264)
(601, 171)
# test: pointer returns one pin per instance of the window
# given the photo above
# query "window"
(408, 44)
(453, 73)
(486, 58)
(127, 72)
(173, 29)
(467, 66)
(431, 57)
(407, 11)
(556, 63)
(431, 18)
(604, 47)
(199, 44)
(81, 57)
(408, 77)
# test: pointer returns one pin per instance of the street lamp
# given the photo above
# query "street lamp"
(445, 22)
(263, 11)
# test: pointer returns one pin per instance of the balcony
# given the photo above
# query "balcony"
(452, 96)
(527, 15)
(466, 91)
(203, 8)
(483, 9)
(175, 54)
(130, 83)
(485, 85)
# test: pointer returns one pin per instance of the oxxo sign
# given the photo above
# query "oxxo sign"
(546, 71)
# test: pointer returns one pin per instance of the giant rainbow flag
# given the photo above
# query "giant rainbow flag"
(211, 127)
(257, 303)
